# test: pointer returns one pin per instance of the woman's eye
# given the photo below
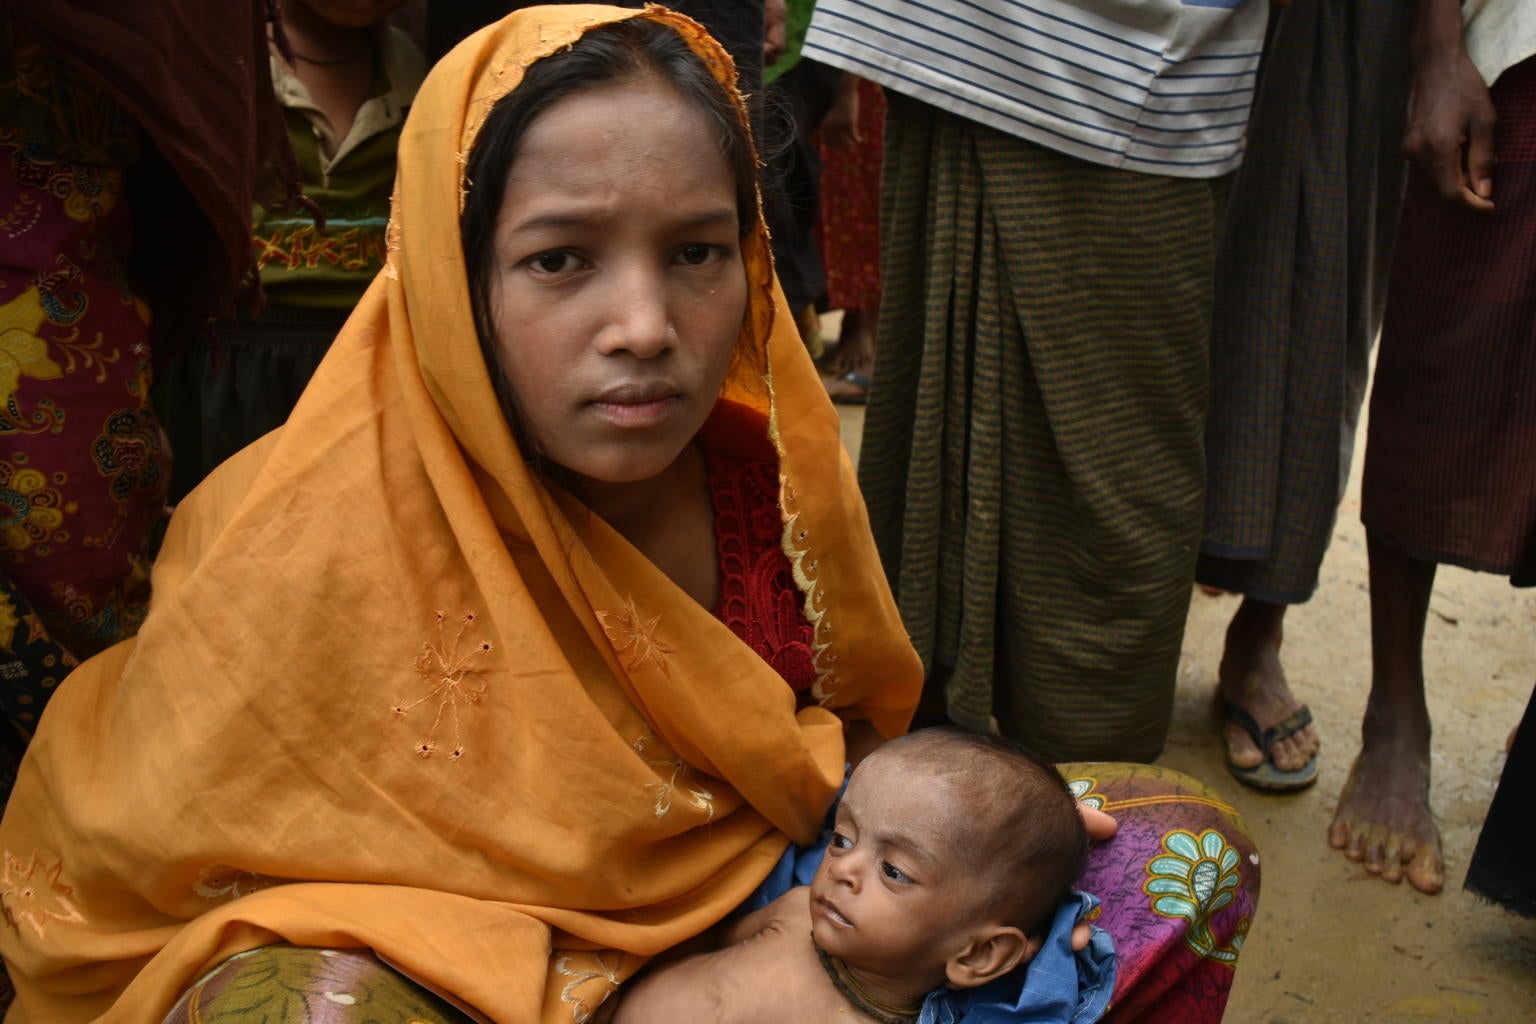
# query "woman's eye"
(553, 262)
(893, 872)
(698, 254)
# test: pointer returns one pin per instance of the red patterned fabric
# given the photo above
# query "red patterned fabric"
(849, 229)
(758, 597)
(1452, 427)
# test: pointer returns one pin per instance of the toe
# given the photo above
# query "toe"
(1355, 849)
(1426, 872)
(1367, 849)
(1289, 754)
(1392, 858)
(1241, 750)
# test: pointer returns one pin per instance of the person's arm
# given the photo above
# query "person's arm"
(840, 128)
(1450, 115)
(774, 30)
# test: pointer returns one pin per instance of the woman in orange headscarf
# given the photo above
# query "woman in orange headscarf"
(458, 691)
(527, 646)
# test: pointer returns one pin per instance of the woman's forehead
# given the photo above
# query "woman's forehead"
(638, 142)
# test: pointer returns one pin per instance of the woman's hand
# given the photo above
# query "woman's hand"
(1100, 827)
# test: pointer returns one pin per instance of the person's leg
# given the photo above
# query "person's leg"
(1103, 376)
(1253, 678)
(851, 368)
(1383, 818)
(1299, 291)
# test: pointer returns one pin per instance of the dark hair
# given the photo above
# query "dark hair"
(633, 48)
(1022, 821)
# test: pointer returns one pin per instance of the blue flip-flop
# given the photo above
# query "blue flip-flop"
(1265, 775)
(859, 381)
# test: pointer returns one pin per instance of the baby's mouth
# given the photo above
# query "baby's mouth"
(833, 913)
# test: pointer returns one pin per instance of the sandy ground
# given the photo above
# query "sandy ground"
(1332, 943)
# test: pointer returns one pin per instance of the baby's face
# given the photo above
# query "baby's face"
(897, 893)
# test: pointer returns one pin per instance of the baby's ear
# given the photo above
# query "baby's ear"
(992, 953)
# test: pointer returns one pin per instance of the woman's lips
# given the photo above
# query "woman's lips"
(637, 405)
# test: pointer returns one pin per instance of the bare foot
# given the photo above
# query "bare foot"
(1383, 818)
(1252, 677)
(855, 343)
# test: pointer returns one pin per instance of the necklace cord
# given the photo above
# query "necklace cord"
(844, 981)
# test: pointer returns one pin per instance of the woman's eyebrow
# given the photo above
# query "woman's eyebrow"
(542, 221)
(716, 216)
(720, 216)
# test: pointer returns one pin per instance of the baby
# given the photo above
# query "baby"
(951, 852)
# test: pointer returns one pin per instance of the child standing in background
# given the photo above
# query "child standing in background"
(345, 79)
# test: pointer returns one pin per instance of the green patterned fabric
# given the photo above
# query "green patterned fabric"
(1032, 454)
(293, 985)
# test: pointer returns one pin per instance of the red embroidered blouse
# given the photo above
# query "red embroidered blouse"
(758, 597)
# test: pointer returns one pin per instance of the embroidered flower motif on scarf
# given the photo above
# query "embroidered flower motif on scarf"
(665, 788)
(446, 670)
(33, 900)
(635, 639)
(566, 966)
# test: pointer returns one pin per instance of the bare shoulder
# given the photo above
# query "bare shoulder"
(767, 973)
(773, 974)
(788, 913)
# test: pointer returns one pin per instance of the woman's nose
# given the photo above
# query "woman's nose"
(638, 320)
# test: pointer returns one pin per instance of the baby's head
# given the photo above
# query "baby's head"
(952, 851)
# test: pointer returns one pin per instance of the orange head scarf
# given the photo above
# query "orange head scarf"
(398, 690)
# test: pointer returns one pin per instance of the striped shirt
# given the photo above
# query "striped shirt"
(1159, 86)
(1500, 34)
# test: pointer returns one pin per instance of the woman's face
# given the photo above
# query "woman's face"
(618, 290)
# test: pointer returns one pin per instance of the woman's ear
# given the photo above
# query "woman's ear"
(992, 953)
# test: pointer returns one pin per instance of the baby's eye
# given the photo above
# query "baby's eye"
(893, 872)
(698, 254)
(556, 262)
(840, 841)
